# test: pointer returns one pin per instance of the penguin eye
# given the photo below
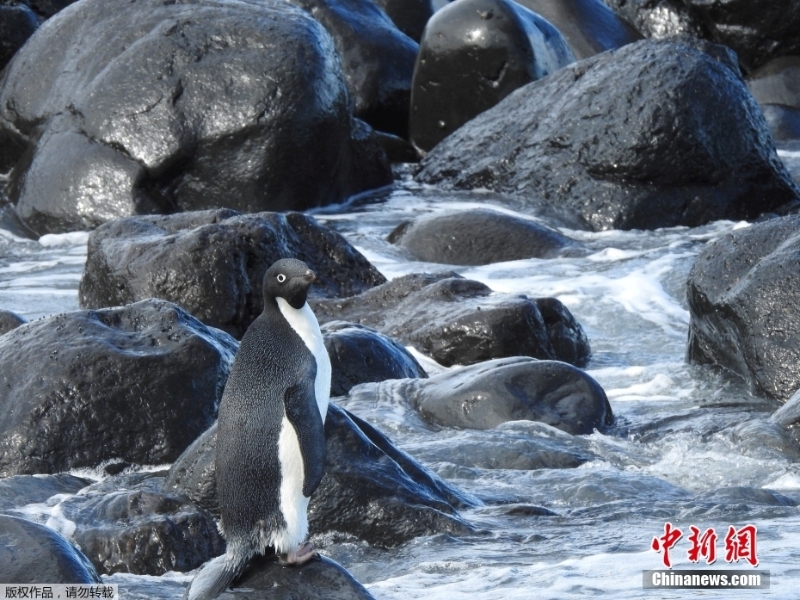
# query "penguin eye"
(281, 278)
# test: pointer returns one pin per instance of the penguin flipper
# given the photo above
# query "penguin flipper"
(303, 413)
(214, 578)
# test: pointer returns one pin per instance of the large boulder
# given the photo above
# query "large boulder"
(32, 553)
(744, 299)
(589, 26)
(486, 395)
(655, 134)
(480, 237)
(17, 24)
(116, 108)
(472, 55)
(137, 383)
(212, 263)
(371, 490)
(127, 524)
(360, 355)
(460, 321)
(377, 59)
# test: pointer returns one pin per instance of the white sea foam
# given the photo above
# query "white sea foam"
(74, 238)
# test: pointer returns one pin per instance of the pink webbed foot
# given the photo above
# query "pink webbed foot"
(299, 556)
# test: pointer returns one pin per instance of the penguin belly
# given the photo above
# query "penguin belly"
(293, 504)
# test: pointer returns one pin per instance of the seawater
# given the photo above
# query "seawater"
(690, 446)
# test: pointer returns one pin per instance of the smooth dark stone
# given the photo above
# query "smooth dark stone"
(212, 263)
(20, 490)
(655, 134)
(17, 24)
(589, 26)
(149, 121)
(659, 19)
(459, 321)
(9, 320)
(265, 579)
(397, 149)
(784, 123)
(370, 490)
(377, 59)
(513, 389)
(743, 293)
(360, 355)
(32, 553)
(410, 16)
(472, 55)
(777, 82)
(480, 237)
(128, 525)
(137, 383)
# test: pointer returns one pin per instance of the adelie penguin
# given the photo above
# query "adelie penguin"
(270, 436)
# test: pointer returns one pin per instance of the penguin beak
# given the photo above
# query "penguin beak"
(310, 276)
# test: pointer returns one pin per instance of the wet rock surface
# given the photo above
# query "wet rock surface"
(127, 524)
(137, 384)
(742, 293)
(480, 237)
(10, 320)
(377, 59)
(154, 127)
(19, 490)
(472, 55)
(777, 82)
(370, 491)
(212, 263)
(17, 24)
(784, 124)
(32, 553)
(659, 19)
(655, 134)
(409, 16)
(455, 321)
(589, 26)
(489, 394)
(359, 355)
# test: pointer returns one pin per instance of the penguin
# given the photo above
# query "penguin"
(270, 432)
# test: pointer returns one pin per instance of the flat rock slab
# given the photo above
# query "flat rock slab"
(459, 321)
(137, 384)
(480, 237)
(744, 293)
(32, 553)
(19, 490)
(212, 263)
(486, 395)
(371, 490)
(655, 134)
(116, 109)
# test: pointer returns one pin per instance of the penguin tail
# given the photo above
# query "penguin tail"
(214, 578)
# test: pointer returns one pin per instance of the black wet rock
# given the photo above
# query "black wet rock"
(43, 8)
(784, 124)
(371, 490)
(787, 419)
(17, 24)
(212, 263)
(360, 355)
(19, 490)
(9, 320)
(743, 294)
(472, 55)
(486, 395)
(659, 19)
(377, 59)
(32, 553)
(265, 579)
(409, 16)
(655, 134)
(460, 321)
(166, 108)
(589, 26)
(127, 524)
(137, 383)
(480, 237)
(777, 82)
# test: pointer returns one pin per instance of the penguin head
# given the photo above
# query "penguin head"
(289, 279)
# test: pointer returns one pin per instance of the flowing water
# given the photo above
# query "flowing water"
(690, 446)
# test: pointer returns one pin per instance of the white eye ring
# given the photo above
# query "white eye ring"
(281, 278)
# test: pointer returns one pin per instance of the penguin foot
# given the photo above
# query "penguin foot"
(299, 556)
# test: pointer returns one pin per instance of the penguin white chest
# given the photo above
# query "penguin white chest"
(305, 324)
